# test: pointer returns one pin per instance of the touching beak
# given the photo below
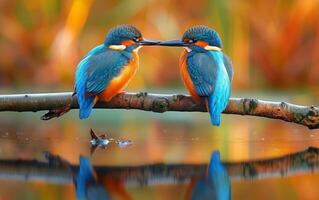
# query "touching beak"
(148, 42)
(174, 43)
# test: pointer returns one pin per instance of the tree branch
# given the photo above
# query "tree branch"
(304, 115)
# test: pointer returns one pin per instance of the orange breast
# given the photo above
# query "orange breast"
(186, 78)
(118, 83)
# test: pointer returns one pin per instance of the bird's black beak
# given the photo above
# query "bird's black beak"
(148, 42)
(174, 43)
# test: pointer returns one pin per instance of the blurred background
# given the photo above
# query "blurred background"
(274, 46)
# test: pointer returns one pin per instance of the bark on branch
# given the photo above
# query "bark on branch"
(304, 115)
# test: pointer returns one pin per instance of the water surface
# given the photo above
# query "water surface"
(172, 138)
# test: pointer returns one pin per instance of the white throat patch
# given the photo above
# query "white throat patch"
(212, 48)
(117, 47)
(188, 49)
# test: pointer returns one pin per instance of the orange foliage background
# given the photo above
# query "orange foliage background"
(273, 44)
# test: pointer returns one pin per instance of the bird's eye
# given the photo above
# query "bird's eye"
(136, 39)
(191, 41)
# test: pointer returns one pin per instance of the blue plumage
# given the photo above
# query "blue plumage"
(211, 79)
(103, 68)
(95, 72)
(218, 99)
(203, 33)
(85, 102)
(203, 72)
(104, 63)
(121, 33)
(210, 71)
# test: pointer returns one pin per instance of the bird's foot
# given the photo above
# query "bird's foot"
(56, 112)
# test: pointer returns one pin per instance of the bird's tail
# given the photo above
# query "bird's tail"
(85, 102)
(214, 110)
(86, 107)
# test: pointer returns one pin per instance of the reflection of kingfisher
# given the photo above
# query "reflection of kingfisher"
(107, 69)
(217, 183)
(206, 71)
(86, 183)
(90, 185)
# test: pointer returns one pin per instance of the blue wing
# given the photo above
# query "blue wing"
(211, 73)
(94, 73)
(203, 71)
(203, 68)
(102, 68)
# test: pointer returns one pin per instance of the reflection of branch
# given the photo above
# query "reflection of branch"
(304, 115)
(300, 162)
(56, 171)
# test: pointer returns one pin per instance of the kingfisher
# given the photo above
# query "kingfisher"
(106, 70)
(206, 71)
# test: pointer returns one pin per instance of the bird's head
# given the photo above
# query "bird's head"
(126, 37)
(198, 37)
